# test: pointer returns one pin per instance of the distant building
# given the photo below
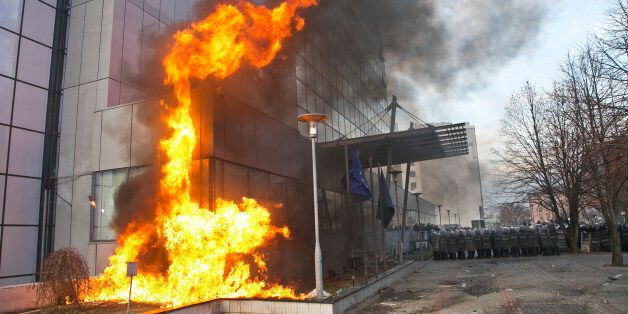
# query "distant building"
(453, 182)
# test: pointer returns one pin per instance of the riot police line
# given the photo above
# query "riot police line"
(494, 242)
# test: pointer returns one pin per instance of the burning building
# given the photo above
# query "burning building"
(249, 142)
(129, 166)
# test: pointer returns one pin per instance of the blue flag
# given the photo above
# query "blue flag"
(385, 202)
(357, 183)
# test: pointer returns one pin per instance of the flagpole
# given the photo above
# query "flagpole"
(393, 113)
(381, 214)
(373, 213)
(350, 208)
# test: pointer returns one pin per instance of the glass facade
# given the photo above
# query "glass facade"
(26, 37)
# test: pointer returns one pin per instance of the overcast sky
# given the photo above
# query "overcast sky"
(566, 25)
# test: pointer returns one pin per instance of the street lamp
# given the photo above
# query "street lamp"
(418, 209)
(456, 215)
(395, 173)
(457, 208)
(448, 217)
(440, 218)
(312, 119)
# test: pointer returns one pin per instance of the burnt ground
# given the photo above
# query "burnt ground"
(557, 284)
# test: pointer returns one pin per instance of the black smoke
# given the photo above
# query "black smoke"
(449, 46)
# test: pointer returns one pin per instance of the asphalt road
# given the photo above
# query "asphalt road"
(556, 284)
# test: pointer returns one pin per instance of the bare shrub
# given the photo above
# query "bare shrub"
(64, 278)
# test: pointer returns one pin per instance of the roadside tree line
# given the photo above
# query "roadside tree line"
(568, 145)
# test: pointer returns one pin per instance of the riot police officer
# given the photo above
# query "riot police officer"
(461, 243)
(514, 241)
(469, 245)
(434, 243)
(477, 242)
(442, 244)
(451, 244)
(534, 240)
(545, 240)
(553, 234)
(523, 240)
(485, 234)
(493, 239)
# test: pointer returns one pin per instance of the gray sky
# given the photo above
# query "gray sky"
(566, 25)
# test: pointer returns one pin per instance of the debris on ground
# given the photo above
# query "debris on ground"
(615, 277)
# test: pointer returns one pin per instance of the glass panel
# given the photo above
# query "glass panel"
(2, 178)
(6, 99)
(34, 64)
(26, 153)
(19, 250)
(105, 187)
(132, 46)
(22, 207)
(30, 107)
(10, 14)
(8, 53)
(39, 22)
(4, 147)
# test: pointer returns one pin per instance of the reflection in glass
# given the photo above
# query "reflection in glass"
(4, 147)
(34, 64)
(22, 205)
(26, 153)
(10, 13)
(29, 110)
(8, 53)
(6, 99)
(39, 22)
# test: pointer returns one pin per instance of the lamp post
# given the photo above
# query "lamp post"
(455, 216)
(312, 119)
(448, 217)
(395, 173)
(457, 208)
(418, 210)
(440, 218)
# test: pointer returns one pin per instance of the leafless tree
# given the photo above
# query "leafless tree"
(596, 92)
(569, 147)
(613, 45)
(539, 155)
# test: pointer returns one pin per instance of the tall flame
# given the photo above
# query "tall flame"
(196, 253)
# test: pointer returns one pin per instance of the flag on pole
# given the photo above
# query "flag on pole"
(385, 205)
(357, 183)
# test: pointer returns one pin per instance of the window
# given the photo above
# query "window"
(412, 185)
(106, 183)
(412, 174)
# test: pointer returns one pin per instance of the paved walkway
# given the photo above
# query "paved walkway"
(556, 284)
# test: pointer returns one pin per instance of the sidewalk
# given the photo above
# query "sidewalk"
(556, 284)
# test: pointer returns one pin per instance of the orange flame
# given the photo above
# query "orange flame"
(192, 253)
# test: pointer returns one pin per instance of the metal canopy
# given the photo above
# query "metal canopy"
(426, 143)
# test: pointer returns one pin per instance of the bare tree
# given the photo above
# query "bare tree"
(597, 97)
(537, 156)
(613, 45)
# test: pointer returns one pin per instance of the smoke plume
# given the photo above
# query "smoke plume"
(442, 47)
